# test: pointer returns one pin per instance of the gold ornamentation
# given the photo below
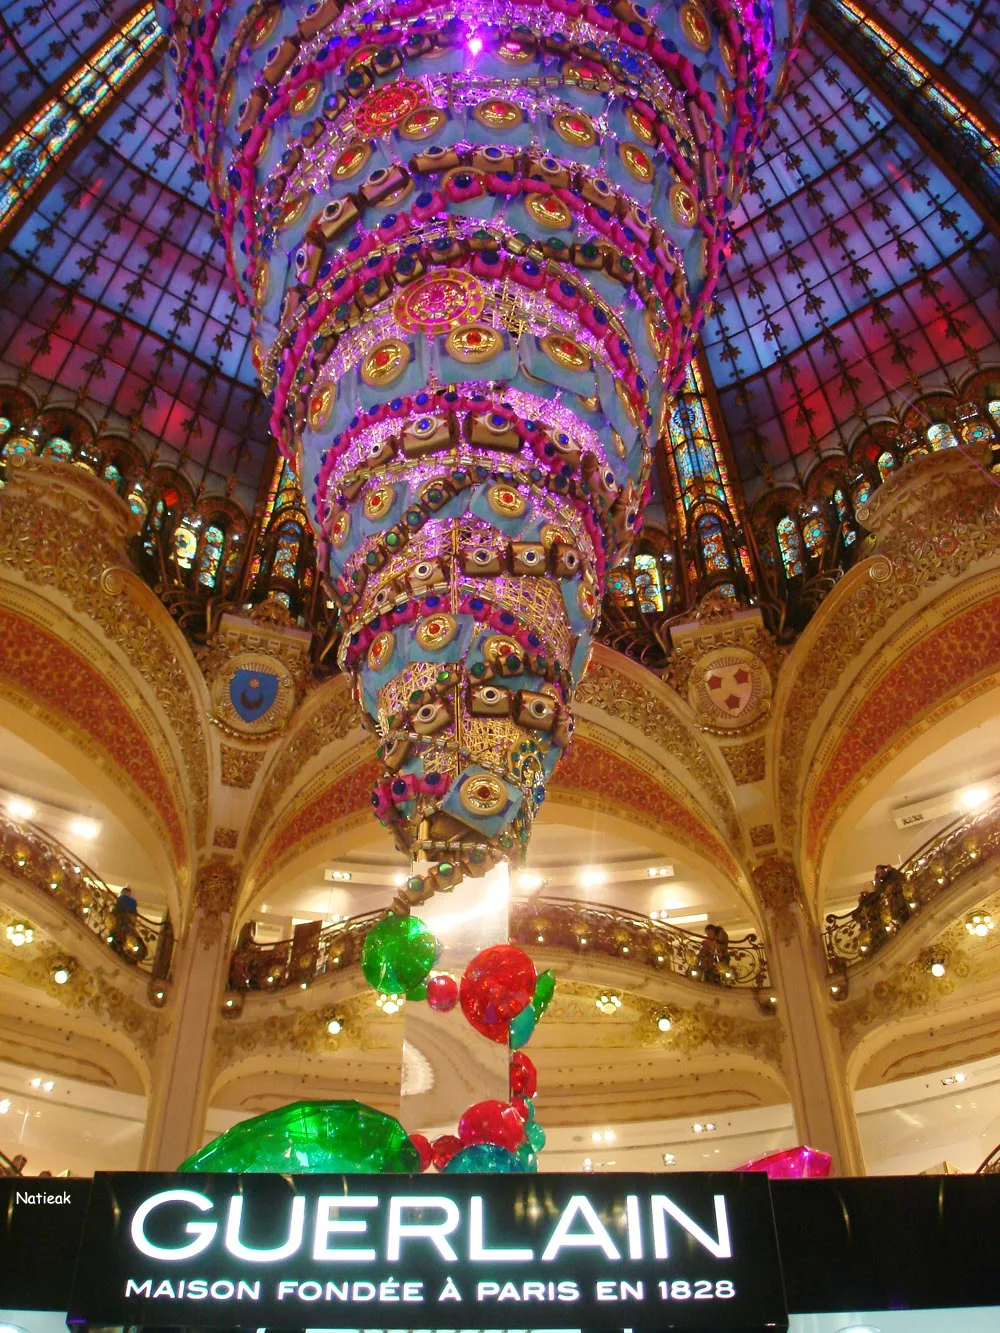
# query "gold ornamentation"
(352, 161)
(240, 695)
(436, 631)
(239, 767)
(729, 689)
(378, 500)
(473, 343)
(385, 362)
(640, 126)
(746, 762)
(225, 837)
(762, 835)
(506, 500)
(636, 162)
(548, 211)
(566, 352)
(696, 27)
(421, 123)
(497, 114)
(439, 302)
(380, 650)
(483, 795)
(321, 406)
(683, 204)
(573, 127)
(340, 528)
(215, 892)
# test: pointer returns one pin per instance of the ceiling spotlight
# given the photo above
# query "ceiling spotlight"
(334, 1026)
(341, 876)
(62, 972)
(603, 1136)
(698, 1128)
(19, 808)
(592, 877)
(936, 967)
(391, 1003)
(669, 1159)
(87, 829)
(20, 934)
(588, 1164)
(529, 881)
(979, 924)
(660, 872)
(609, 1004)
(399, 879)
(664, 1023)
(973, 798)
(5, 1105)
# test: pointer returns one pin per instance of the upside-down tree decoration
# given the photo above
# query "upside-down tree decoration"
(477, 243)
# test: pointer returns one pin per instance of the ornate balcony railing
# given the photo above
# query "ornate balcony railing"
(561, 923)
(965, 845)
(30, 855)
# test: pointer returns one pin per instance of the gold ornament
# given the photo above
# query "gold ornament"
(483, 795)
(385, 362)
(473, 343)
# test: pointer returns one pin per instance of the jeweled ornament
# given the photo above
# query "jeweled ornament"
(497, 986)
(398, 954)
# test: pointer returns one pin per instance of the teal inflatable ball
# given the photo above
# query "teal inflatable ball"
(398, 954)
(344, 1137)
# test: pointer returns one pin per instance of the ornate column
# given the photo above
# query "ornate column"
(182, 1067)
(822, 1099)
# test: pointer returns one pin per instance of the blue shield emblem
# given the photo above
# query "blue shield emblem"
(252, 693)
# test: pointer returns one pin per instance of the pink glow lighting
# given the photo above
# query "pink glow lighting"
(475, 45)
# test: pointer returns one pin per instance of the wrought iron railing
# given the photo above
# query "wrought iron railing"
(965, 845)
(560, 923)
(31, 856)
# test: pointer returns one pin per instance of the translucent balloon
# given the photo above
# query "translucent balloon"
(485, 1158)
(497, 986)
(521, 1027)
(397, 955)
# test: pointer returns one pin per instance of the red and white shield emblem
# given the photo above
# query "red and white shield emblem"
(730, 687)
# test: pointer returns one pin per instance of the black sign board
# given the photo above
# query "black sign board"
(650, 1252)
(40, 1224)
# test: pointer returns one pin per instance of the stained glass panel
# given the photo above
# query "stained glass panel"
(790, 544)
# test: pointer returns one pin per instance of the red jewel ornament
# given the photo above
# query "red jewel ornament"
(497, 985)
(492, 1122)
(423, 1146)
(444, 1148)
(520, 1107)
(523, 1075)
(442, 993)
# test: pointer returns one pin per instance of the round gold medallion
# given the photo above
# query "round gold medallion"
(351, 161)
(257, 354)
(321, 406)
(496, 114)
(725, 97)
(473, 343)
(264, 26)
(506, 500)
(380, 650)
(566, 352)
(550, 534)
(436, 631)
(587, 599)
(657, 336)
(378, 500)
(640, 126)
(483, 794)
(421, 123)
(304, 97)
(575, 128)
(513, 52)
(385, 362)
(683, 204)
(548, 211)
(636, 162)
(339, 529)
(291, 211)
(695, 27)
(728, 60)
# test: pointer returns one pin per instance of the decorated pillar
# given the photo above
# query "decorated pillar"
(822, 1099)
(183, 1063)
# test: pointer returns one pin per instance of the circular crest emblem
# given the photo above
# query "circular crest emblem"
(437, 303)
(253, 694)
(730, 688)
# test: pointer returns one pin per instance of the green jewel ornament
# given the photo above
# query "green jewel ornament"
(344, 1137)
(545, 988)
(535, 1135)
(398, 954)
(522, 1025)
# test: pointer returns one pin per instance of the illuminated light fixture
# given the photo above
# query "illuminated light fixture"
(660, 872)
(669, 1159)
(859, 1328)
(973, 798)
(341, 876)
(475, 45)
(936, 967)
(230, 1002)
(19, 808)
(5, 1106)
(87, 829)
(334, 1026)
(158, 994)
(588, 1165)
(979, 924)
(303, 985)
(391, 1003)
(592, 877)
(707, 1128)
(691, 919)
(609, 1004)
(20, 934)
(529, 881)
(62, 972)
(664, 1023)
(603, 1136)
(772, 999)
(399, 879)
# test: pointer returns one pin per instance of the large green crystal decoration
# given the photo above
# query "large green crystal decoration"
(398, 954)
(346, 1137)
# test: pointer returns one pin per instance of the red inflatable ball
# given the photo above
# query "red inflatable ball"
(523, 1075)
(442, 993)
(444, 1149)
(498, 984)
(423, 1146)
(492, 1122)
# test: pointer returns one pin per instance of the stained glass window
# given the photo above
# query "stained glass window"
(136, 499)
(885, 464)
(712, 543)
(113, 476)
(211, 555)
(4, 425)
(790, 544)
(20, 444)
(993, 407)
(976, 430)
(648, 586)
(58, 448)
(814, 533)
(846, 527)
(941, 436)
(286, 553)
(862, 493)
(185, 544)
